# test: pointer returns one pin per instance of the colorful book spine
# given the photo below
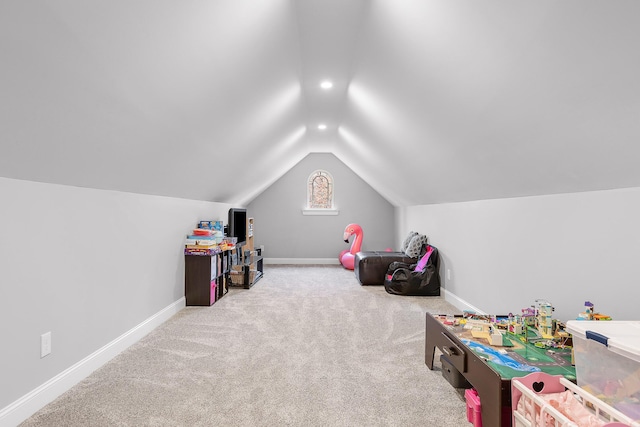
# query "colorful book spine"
(201, 252)
(193, 236)
(200, 242)
(209, 247)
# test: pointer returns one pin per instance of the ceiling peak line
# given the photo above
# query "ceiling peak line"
(328, 37)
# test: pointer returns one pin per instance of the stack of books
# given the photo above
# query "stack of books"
(201, 241)
(208, 239)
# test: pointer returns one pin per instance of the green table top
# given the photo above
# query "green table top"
(517, 358)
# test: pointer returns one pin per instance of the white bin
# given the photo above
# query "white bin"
(607, 358)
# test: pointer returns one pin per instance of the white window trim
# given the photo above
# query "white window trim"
(320, 212)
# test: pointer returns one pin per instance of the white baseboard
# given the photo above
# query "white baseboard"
(301, 261)
(30, 403)
(459, 303)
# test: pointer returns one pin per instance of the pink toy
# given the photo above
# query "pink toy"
(423, 261)
(347, 258)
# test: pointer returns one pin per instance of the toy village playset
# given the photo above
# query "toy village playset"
(536, 351)
(521, 342)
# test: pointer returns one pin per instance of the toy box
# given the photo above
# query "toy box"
(607, 359)
(540, 399)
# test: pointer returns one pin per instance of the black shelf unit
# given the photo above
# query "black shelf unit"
(246, 268)
(243, 266)
(206, 277)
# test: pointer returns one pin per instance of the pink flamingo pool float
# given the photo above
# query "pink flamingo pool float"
(347, 257)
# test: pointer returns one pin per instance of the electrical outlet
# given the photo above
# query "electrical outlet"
(448, 274)
(45, 344)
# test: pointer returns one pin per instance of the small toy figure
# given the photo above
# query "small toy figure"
(589, 313)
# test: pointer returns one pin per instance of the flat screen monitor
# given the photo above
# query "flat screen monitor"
(238, 224)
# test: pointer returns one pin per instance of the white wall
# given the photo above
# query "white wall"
(87, 265)
(567, 249)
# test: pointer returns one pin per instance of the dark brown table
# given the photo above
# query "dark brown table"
(493, 390)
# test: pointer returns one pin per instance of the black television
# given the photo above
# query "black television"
(238, 224)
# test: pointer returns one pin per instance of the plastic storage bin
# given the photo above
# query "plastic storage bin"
(474, 410)
(607, 359)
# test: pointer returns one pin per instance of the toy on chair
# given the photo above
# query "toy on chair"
(347, 257)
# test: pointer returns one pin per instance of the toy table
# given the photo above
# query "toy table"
(492, 381)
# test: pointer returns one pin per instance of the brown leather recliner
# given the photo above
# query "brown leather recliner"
(371, 267)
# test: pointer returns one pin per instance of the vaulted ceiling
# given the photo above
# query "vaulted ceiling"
(433, 100)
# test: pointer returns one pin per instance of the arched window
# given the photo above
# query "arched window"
(320, 190)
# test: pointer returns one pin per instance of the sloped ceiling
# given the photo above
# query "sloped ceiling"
(433, 100)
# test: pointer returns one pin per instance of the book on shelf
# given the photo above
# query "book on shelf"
(211, 225)
(193, 236)
(202, 232)
(200, 242)
(206, 252)
(207, 247)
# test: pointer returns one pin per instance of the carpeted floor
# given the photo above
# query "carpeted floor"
(306, 346)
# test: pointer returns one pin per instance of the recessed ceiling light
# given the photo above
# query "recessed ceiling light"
(327, 84)
(322, 126)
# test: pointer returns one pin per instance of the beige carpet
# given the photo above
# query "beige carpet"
(306, 346)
